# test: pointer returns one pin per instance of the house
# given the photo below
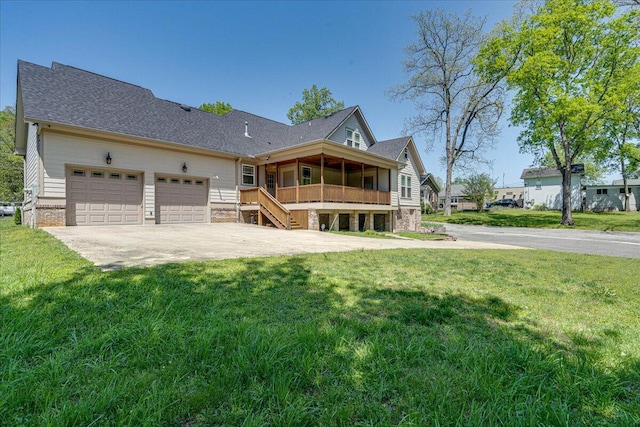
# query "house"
(429, 189)
(458, 200)
(99, 151)
(611, 197)
(543, 186)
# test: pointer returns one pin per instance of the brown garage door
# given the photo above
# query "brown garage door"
(181, 200)
(103, 197)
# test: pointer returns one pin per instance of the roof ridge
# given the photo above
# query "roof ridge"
(54, 64)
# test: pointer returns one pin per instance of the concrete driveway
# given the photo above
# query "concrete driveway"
(111, 247)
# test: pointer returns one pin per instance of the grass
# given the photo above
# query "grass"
(603, 221)
(368, 233)
(385, 235)
(402, 337)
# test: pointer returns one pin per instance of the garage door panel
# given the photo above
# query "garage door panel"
(180, 200)
(101, 198)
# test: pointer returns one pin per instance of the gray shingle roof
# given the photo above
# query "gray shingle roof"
(75, 97)
(547, 172)
(390, 148)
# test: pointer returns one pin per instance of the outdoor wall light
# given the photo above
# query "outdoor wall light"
(184, 167)
(108, 159)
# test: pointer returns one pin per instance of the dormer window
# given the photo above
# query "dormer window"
(353, 138)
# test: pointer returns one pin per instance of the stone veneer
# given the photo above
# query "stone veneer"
(407, 219)
(225, 215)
(50, 216)
(313, 223)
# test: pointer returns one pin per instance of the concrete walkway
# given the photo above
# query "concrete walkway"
(111, 247)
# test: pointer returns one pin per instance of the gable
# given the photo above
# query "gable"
(355, 124)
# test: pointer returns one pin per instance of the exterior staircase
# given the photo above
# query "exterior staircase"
(273, 211)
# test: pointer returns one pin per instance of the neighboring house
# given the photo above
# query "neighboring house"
(611, 197)
(458, 200)
(429, 190)
(543, 186)
(99, 151)
(515, 193)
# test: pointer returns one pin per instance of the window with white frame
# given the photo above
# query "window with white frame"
(353, 138)
(248, 175)
(306, 175)
(405, 186)
(538, 184)
(406, 153)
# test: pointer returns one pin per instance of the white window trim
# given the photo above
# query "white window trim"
(252, 175)
(351, 142)
(405, 186)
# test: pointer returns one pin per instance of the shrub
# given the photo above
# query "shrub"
(17, 216)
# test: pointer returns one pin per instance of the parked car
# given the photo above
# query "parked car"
(505, 203)
(7, 209)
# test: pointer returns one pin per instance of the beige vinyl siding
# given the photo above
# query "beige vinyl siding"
(340, 135)
(31, 159)
(62, 150)
(409, 170)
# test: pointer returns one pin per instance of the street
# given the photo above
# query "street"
(619, 244)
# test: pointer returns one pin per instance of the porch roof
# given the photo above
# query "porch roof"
(331, 149)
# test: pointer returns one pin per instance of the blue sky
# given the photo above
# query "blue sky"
(258, 56)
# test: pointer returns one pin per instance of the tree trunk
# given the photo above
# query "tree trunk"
(567, 218)
(447, 189)
(627, 207)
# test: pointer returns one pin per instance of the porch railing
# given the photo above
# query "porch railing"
(274, 209)
(332, 193)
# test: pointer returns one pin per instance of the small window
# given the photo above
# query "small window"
(356, 139)
(77, 172)
(248, 175)
(115, 175)
(622, 191)
(161, 179)
(131, 177)
(538, 184)
(349, 141)
(97, 174)
(306, 175)
(186, 181)
(406, 153)
(175, 181)
(199, 182)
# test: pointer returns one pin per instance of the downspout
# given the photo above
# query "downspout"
(237, 192)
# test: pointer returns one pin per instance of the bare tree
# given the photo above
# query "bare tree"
(450, 97)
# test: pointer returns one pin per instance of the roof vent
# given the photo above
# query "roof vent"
(185, 107)
(246, 130)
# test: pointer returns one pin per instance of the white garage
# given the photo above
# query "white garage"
(103, 197)
(181, 200)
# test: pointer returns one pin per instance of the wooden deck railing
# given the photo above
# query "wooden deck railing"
(321, 193)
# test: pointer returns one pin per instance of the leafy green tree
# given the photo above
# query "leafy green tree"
(220, 108)
(454, 102)
(569, 64)
(479, 187)
(621, 152)
(315, 103)
(11, 182)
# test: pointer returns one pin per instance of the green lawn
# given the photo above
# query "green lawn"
(369, 338)
(604, 221)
